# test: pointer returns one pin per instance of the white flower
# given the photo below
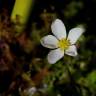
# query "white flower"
(30, 91)
(60, 42)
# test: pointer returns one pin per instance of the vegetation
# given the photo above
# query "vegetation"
(23, 63)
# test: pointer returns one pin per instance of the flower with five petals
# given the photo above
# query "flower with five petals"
(59, 42)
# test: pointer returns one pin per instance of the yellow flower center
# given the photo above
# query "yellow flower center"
(63, 44)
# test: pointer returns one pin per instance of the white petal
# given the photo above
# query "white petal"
(55, 55)
(49, 41)
(74, 34)
(72, 51)
(58, 29)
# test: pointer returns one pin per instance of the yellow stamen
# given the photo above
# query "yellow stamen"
(63, 44)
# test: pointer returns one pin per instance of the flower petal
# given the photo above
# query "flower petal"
(49, 41)
(74, 34)
(55, 55)
(72, 51)
(58, 29)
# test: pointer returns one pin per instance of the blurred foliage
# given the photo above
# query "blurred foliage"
(23, 62)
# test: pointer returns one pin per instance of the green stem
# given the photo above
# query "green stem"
(72, 81)
(21, 12)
